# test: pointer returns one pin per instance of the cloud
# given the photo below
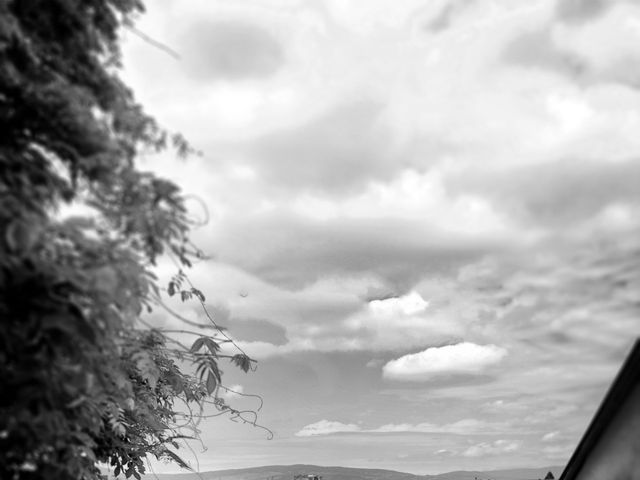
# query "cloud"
(292, 251)
(230, 50)
(256, 329)
(551, 436)
(337, 152)
(537, 49)
(451, 359)
(565, 192)
(467, 426)
(399, 323)
(326, 427)
(447, 14)
(408, 304)
(580, 11)
(598, 54)
(497, 447)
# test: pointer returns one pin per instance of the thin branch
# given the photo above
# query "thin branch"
(159, 301)
(151, 41)
(204, 308)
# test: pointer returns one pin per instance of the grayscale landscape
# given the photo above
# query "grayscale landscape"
(356, 238)
(282, 472)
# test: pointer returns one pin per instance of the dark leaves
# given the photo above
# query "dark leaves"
(176, 459)
(199, 295)
(242, 361)
(208, 369)
(208, 342)
(197, 345)
(212, 383)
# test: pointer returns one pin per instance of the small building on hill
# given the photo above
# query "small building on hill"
(307, 476)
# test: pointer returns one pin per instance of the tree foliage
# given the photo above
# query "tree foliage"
(81, 381)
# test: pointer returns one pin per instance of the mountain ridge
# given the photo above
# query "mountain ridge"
(286, 472)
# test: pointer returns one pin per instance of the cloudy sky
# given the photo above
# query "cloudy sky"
(423, 217)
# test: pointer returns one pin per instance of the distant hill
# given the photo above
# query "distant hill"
(286, 472)
(511, 474)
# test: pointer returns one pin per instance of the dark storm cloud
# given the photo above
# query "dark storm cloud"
(231, 50)
(258, 330)
(293, 252)
(337, 152)
(557, 193)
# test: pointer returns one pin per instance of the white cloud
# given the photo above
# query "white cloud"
(408, 304)
(326, 427)
(494, 448)
(463, 357)
(551, 436)
(443, 451)
(467, 426)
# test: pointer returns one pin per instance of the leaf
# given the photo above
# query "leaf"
(242, 361)
(171, 289)
(212, 346)
(155, 423)
(177, 459)
(197, 345)
(211, 383)
(198, 294)
(105, 280)
(147, 367)
(176, 383)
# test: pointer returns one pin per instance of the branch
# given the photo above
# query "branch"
(129, 26)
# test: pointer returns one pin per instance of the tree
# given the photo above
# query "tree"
(81, 380)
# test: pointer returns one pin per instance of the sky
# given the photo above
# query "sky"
(423, 218)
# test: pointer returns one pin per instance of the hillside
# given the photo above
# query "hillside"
(286, 472)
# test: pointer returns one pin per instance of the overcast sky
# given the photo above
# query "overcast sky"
(424, 217)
